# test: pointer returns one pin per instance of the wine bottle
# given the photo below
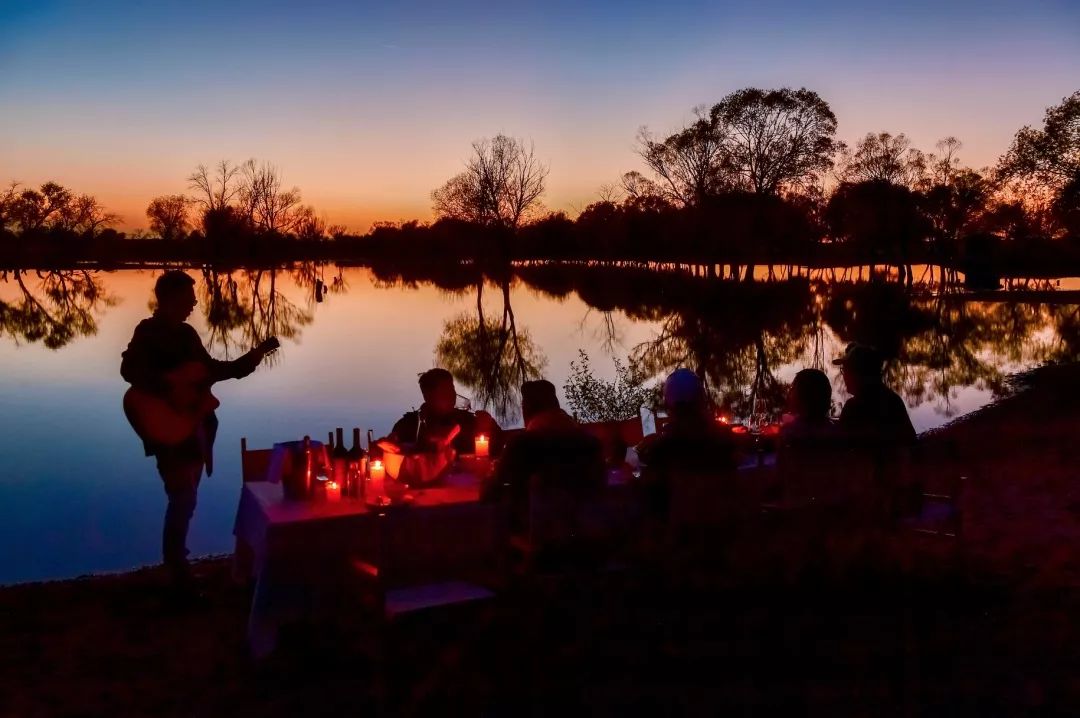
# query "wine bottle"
(357, 468)
(330, 443)
(309, 469)
(339, 458)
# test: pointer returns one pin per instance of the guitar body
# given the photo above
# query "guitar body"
(173, 418)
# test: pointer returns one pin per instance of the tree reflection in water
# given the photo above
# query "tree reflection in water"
(491, 357)
(244, 307)
(53, 307)
(741, 336)
(937, 340)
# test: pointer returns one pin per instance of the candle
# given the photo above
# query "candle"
(376, 478)
(481, 445)
(333, 491)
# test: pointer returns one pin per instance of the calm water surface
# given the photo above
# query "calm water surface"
(78, 496)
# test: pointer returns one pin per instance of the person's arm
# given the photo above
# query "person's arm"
(405, 429)
(221, 369)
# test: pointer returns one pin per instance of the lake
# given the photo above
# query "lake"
(78, 496)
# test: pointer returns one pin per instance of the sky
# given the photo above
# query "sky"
(367, 107)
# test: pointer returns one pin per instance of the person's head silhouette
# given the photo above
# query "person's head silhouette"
(810, 396)
(537, 397)
(684, 395)
(440, 394)
(860, 365)
(175, 294)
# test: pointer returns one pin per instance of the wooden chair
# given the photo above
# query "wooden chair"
(254, 463)
(941, 514)
(425, 560)
(616, 436)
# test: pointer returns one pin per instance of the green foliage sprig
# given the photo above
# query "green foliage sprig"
(594, 399)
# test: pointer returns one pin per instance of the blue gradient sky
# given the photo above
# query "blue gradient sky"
(367, 108)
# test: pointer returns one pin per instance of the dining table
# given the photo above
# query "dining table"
(298, 552)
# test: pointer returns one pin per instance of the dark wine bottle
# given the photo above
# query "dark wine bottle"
(309, 469)
(356, 466)
(339, 458)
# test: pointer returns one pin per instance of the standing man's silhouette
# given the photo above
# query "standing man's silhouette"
(171, 408)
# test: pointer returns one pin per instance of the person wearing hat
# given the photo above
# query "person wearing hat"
(691, 441)
(876, 421)
(874, 410)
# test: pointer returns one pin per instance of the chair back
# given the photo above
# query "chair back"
(614, 435)
(254, 463)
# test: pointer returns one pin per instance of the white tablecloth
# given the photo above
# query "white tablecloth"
(298, 551)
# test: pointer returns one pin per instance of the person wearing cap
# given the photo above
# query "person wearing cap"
(876, 422)
(691, 441)
(438, 415)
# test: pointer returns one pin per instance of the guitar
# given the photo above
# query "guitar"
(172, 418)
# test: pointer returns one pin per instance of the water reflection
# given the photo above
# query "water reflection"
(491, 356)
(51, 307)
(937, 339)
(243, 308)
(356, 338)
(743, 337)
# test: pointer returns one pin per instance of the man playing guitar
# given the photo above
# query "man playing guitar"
(171, 408)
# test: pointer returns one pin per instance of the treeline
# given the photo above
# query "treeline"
(757, 178)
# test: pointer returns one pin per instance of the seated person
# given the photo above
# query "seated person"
(692, 441)
(553, 450)
(874, 413)
(421, 430)
(876, 422)
(812, 457)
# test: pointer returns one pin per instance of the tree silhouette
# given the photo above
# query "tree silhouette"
(883, 157)
(217, 189)
(690, 165)
(262, 199)
(168, 216)
(878, 215)
(501, 185)
(776, 139)
(1052, 154)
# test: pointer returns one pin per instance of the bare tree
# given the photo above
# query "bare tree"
(87, 215)
(262, 199)
(215, 190)
(945, 165)
(501, 185)
(168, 216)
